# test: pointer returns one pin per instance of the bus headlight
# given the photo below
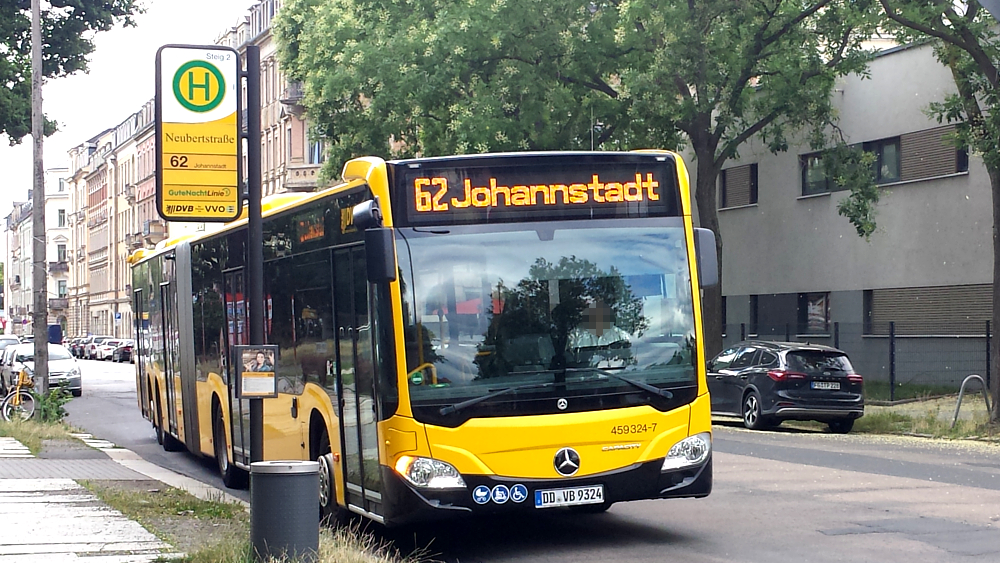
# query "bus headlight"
(690, 451)
(429, 473)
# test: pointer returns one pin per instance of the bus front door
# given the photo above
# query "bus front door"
(357, 408)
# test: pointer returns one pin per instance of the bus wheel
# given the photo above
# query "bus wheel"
(164, 438)
(232, 476)
(330, 513)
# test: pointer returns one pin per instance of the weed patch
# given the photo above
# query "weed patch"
(33, 432)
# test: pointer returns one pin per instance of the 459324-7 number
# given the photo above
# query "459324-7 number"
(633, 428)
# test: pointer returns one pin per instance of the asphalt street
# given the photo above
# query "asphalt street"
(780, 496)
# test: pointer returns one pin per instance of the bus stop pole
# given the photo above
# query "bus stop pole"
(255, 240)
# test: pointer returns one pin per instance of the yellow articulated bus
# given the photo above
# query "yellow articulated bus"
(459, 335)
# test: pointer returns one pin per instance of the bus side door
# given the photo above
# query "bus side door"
(356, 370)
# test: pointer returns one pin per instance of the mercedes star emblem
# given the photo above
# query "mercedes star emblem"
(562, 404)
(567, 462)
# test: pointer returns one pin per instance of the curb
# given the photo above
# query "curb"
(131, 460)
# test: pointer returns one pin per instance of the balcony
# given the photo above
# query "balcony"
(302, 177)
(81, 253)
(154, 230)
(134, 241)
(130, 193)
(291, 98)
(15, 282)
(58, 303)
(58, 267)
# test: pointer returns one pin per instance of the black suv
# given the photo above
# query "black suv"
(767, 382)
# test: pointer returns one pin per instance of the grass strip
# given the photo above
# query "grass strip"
(143, 505)
(32, 432)
(183, 514)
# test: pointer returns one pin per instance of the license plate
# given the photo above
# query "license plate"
(826, 385)
(573, 496)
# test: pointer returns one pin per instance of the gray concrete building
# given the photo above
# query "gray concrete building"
(794, 268)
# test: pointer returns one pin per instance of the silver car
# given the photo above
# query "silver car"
(64, 370)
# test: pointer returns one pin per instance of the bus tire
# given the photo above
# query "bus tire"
(330, 513)
(232, 477)
(169, 443)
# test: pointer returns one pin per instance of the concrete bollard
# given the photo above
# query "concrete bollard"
(284, 510)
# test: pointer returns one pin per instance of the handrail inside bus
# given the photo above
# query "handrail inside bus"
(422, 367)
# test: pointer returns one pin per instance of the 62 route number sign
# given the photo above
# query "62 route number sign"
(198, 148)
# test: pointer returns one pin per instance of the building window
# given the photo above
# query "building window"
(814, 180)
(738, 186)
(62, 217)
(814, 313)
(316, 153)
(754, 307)
(61, 252)
(62, 288)
(886, 159)
(927, 311)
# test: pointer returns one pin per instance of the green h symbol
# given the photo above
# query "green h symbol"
(192, 85)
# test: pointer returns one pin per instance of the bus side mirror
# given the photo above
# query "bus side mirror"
(708, 260)
(380, 255)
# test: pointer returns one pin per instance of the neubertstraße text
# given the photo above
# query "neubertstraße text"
(188, 138)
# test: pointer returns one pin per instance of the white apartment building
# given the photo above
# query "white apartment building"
(18, 273)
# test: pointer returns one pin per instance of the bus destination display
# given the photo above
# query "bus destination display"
(442, 196)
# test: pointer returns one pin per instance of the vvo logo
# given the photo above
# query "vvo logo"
(215, 208)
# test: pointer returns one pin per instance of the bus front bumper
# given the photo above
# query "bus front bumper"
(637, 482)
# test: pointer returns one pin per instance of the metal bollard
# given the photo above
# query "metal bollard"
(284, 510)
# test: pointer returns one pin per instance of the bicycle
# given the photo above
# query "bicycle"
(19, 402)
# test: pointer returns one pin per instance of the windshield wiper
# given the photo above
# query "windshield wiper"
(644, 386)
(459, 406)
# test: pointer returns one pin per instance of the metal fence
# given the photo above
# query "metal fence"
(895, 366)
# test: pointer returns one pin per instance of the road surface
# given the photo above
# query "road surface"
(779, 496)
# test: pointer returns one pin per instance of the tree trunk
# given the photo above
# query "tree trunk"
(39, 274)
(708, 217)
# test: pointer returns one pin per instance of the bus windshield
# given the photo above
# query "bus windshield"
(580, 311)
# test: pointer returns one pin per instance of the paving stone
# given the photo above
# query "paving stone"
(65, 468)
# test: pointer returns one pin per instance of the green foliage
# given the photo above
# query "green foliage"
(850, 167)
(67, 34)
(430, 77)
(49, 407)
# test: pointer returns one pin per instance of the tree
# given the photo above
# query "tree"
(67, 30)
(432, 77)
(967, 42)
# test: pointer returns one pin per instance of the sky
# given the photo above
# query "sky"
(120, 81)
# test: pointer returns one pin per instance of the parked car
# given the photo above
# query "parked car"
(90, 350)
(8, 339)
(123, 353)
(106, 348)
(81, 347)
(74, 346)
(768, 382)
(64, 370)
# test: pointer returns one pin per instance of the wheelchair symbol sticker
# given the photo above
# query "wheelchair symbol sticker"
(518, 493)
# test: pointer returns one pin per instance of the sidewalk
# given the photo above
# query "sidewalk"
(48, 517)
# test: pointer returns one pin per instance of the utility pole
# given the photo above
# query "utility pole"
(40, 316)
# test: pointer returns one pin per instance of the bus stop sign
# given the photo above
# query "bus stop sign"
(197, 133)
